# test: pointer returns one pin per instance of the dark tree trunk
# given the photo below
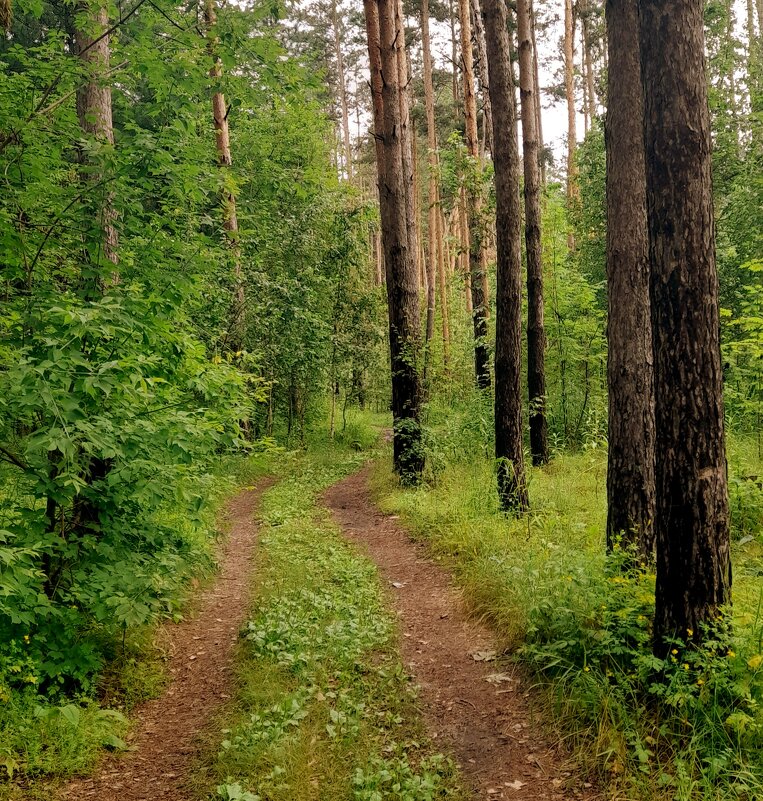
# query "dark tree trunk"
(538, 110)
(407, 140)
(477, 260)
(402, 280)
(536, 333)
(573, 188)
(630, 374)
(691, 517)
(512, 489)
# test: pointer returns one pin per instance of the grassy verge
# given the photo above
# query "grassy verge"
(688, 728)
(323, 709)
(46, 737)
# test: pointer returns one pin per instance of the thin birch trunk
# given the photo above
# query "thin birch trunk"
(225, 161)
(94, 108)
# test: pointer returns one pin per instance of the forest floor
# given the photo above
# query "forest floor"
(337, 606)
(165, 739)
(475, 708)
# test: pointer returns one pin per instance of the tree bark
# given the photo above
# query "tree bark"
(235, 339)
(630, 374)
(482, 70)
(569, 89)
(588, 61)
(371, 10)
(512, 488)
(433, 215)
(407, 140)
(6, 15)
(754, 59)
(442, 284)
(402, 285)
(477, 270)
(454, 57)
(342, 92)
(538, 108)
(583, 76)
(94, 107)
(691, 517)
(536, 333)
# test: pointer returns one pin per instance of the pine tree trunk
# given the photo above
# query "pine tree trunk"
(402, 285)
(454, 57)
(584, 82)
(235, 338)
(482, 70)
(754, 60)
(536, 333)
(342, 92)
(477, 270)
(588, 62)
(433, 210)
(512, 489)
(630, 376)
(407, 141)
(442, 284)
(377, 109)
(538, 108)
(691, 518)
(94, 107)
(569, 89)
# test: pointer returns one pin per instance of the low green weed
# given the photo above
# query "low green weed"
(67, 684)
(686, 728)
(324, 709)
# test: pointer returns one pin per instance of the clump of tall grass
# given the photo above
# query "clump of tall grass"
(687, 727)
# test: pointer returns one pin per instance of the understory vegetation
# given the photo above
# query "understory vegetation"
(324, 709)
(688, 727)
(67, 694)
(201, 282)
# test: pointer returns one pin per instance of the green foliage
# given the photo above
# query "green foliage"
(688, 725)
(743, 351)
(396, 780)
(117, 393)
(38, 739)
(325, 710)
(575, 323)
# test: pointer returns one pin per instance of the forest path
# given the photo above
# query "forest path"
(478, 713)
(200, 664)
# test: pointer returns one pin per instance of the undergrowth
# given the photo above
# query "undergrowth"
(61, 707)
(324, 709)
(688, 727)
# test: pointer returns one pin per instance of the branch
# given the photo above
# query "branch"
(11, 458)
(114, 27)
